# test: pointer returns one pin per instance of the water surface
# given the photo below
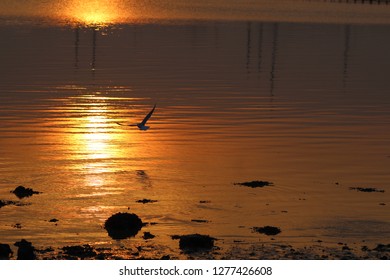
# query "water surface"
(301, 103)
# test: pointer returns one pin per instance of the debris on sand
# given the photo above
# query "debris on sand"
(195, 242)
(148, 235)
(255, 184)
(123, 225)
(359, 189)
(267, 230)
(82, 252)
(145, 200)
(22, 192)
(204, 201)
(5, 252)
(25, 250)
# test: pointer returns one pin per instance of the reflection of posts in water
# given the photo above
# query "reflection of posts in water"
(260, 50)
(76, 48)
(93, 63)
(248, 46)
(346, 53)
(273, 57)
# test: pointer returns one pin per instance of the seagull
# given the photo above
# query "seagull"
(142, 125)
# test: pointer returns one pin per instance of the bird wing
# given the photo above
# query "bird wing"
(148, 116)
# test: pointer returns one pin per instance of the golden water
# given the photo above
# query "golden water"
(303, 105)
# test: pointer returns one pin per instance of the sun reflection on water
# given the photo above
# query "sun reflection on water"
(96, 138)
(95, 144)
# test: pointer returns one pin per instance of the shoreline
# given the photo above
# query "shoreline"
(239, 251)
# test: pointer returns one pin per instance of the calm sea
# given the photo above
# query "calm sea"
(296, 93)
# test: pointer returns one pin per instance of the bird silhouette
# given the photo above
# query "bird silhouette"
(142, 125)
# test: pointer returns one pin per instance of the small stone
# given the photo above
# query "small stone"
(195, 242)
(148, 235)
(267, 230)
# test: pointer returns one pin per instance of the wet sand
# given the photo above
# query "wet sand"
(240, 251)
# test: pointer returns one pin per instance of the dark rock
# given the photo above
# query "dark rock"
(25, 250)
(204, 201)
(382, 248)
(5, 252)
(22, 192)
(367, 189)
(83, 252)
(267, 230)
(53, 220)
(255, 184)
(148, 235)
(146, 201)
(18, 225)
(123, 225)
(195, 242)
(165, 257)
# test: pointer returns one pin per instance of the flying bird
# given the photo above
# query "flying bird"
(142, 125)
